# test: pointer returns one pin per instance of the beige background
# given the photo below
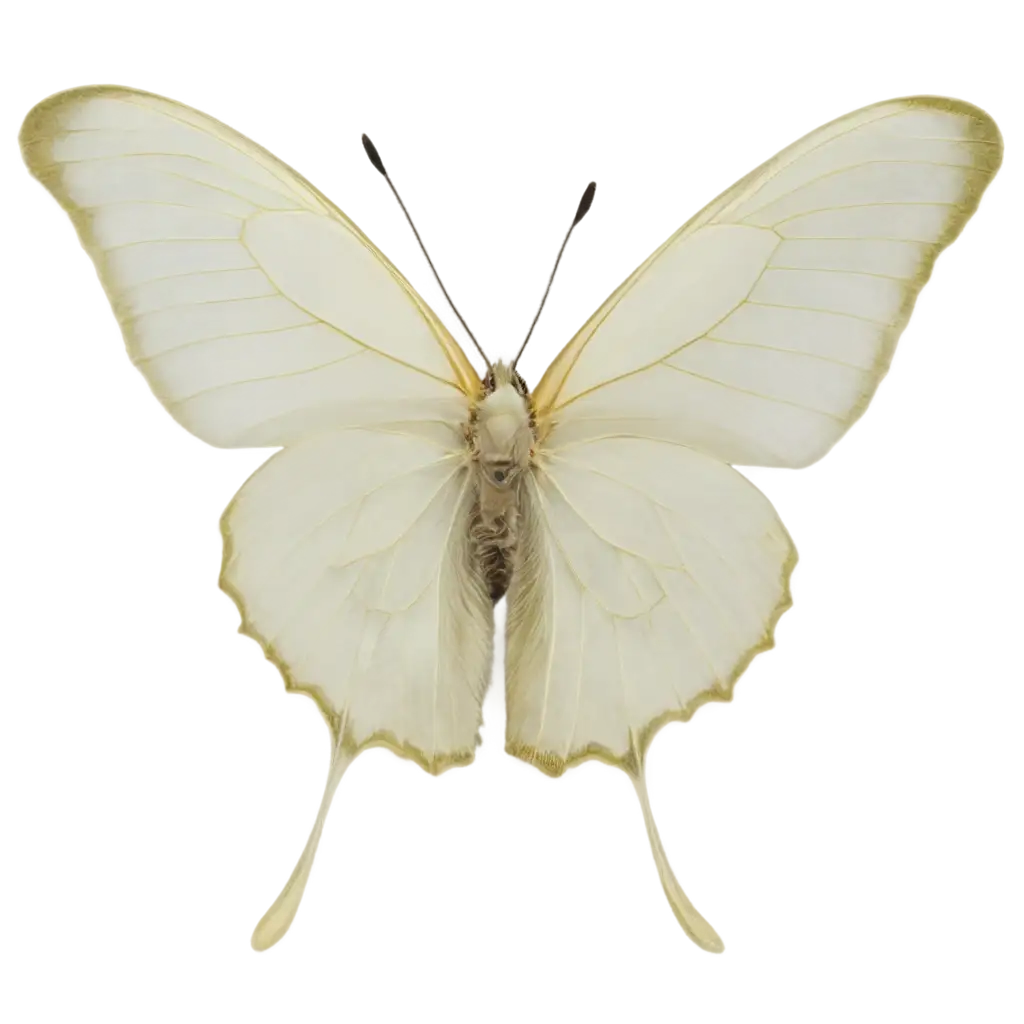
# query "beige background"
(860, 800)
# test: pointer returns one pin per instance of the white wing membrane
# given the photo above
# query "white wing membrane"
(256, 310)
(759, 332)
(349, 557)
(651, 575)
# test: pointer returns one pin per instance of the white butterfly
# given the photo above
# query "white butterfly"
(643, 572)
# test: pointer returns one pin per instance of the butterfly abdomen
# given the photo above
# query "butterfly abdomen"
(495, 544)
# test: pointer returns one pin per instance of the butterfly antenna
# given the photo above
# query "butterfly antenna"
(692, 923)
(279, 915)
(583, 210)
(379, 166)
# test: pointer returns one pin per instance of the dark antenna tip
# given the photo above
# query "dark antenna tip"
(373, 153)
(588, 200)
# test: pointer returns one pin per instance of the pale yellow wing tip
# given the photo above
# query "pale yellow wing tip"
(42, 122)
(988, 129)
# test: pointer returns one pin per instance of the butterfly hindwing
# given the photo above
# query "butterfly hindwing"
(650, 575)
(349, 556)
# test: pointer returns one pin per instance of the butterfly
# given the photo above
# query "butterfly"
(410, 493)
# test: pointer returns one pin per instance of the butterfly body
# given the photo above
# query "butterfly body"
(501, 437)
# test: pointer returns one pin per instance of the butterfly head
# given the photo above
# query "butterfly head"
(504, 432)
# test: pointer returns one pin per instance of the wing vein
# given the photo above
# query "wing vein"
(836, 270)
(789, 352)
(863, 206)
(754, 394)
(220, 337)
(826, 312)
(270, 165)
(257, 380)
(579, 675)
(966, 168)
(179, 156)
(604, 540)
(683, 617)
(220, 239)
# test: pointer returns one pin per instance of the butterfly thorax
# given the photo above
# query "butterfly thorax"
(501, 437)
